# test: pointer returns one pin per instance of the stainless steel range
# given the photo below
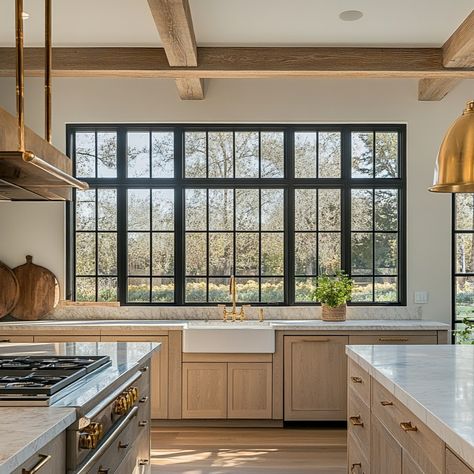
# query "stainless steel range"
(37, 380)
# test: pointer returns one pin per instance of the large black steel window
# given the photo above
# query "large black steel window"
(463, 258)
(173, 210)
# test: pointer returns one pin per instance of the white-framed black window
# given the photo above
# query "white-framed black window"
(463, 258)
(173, 210)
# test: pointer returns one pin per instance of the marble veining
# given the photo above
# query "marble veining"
(212, 312)
(435, 382)
(25, 430)
(128, 326)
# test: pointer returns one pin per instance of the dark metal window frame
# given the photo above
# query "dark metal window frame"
(289, 183)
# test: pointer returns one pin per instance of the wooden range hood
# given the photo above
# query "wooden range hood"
(31, 168)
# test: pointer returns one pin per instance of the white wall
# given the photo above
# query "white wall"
(39, 228)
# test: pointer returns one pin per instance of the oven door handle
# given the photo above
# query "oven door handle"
(108, 441)
(86, 419)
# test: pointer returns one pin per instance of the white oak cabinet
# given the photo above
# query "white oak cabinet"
(226, 389)
(315, 377)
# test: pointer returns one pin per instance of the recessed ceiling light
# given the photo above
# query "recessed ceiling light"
(351, 15)
(25, 16)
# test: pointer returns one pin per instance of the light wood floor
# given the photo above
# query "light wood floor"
(248, 450)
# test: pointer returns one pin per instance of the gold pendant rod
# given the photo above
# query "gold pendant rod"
(20, 74)
(48, 67)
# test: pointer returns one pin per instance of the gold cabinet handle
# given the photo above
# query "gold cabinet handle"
(5, 340)
(355, 421)
(103, 470)
(143, 400)
(407, 426)
(315, 340)
(386, 403)
(143, 462)
(354, 465)
(357, 379)
(123, 445)
(393, 339)
(143, 423)
(44, 458)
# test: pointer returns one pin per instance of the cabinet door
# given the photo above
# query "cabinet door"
(249, 390)
(315, 377)
(204, 390)
(409, 466)
(394, 339)
(159, 372)
(385, 452)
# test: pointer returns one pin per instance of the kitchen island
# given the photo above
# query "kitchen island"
(104, 408)
(411, 409)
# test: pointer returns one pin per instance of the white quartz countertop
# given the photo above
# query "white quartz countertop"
(435, 382)
(25, 430)
(156, 325)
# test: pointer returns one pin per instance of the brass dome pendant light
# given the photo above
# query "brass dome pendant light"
(454, 171)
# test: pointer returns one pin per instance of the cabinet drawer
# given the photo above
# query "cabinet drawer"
(16, 338)
(426, 449)
(394, 339)
(54, 464)
(356, 461)
(358, 421)
(455, 466)
(359, 381)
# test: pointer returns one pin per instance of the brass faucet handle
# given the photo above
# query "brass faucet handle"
(224, 311)
(243, 309)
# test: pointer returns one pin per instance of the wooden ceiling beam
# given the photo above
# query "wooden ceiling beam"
(175, 27)
(230, 62)
(458, 52)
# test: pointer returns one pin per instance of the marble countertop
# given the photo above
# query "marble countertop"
(25, 430)
(82, 394)
(88, 326)
(435, 382)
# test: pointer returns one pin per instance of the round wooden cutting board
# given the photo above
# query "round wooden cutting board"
(39, 291)
(9, 290)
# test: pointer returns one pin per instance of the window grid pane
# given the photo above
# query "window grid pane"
(233, 216)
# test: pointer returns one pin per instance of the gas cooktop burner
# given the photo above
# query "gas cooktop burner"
(25, 377)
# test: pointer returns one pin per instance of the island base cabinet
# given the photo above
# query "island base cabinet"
(53, 457)
(137, 461)
(315, 377)
(455, 466)
(204, 390)
(385, 452)
(357, 462)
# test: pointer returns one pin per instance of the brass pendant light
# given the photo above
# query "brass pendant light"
(454, 171)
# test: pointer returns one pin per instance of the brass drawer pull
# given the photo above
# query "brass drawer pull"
(357, 379)
(144, 462)
(355, 421)
(354, 465)
(316, 340)
(393, 339)
(5, 340)
(386, 403)
(44, 458)
(143, 423)
(103, 470)
(143, 400)
(123, 445)
(407, 426)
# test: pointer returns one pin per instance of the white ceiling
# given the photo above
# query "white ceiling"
(244, 22)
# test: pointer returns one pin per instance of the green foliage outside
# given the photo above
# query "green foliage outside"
(465, 335)
(333, 291)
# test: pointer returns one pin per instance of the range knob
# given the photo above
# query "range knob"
(120, 405)
(86, 441)
(91, 435)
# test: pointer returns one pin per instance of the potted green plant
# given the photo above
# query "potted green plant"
(333, 292)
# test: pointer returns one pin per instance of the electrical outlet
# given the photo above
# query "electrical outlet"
(421, 297)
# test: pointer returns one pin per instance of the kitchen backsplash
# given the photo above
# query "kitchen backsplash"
(212, 312)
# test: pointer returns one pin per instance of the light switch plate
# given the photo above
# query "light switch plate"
(421, 297)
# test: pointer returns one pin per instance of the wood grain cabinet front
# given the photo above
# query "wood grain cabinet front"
(315, 377)
(455, 466)
(51, 459)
